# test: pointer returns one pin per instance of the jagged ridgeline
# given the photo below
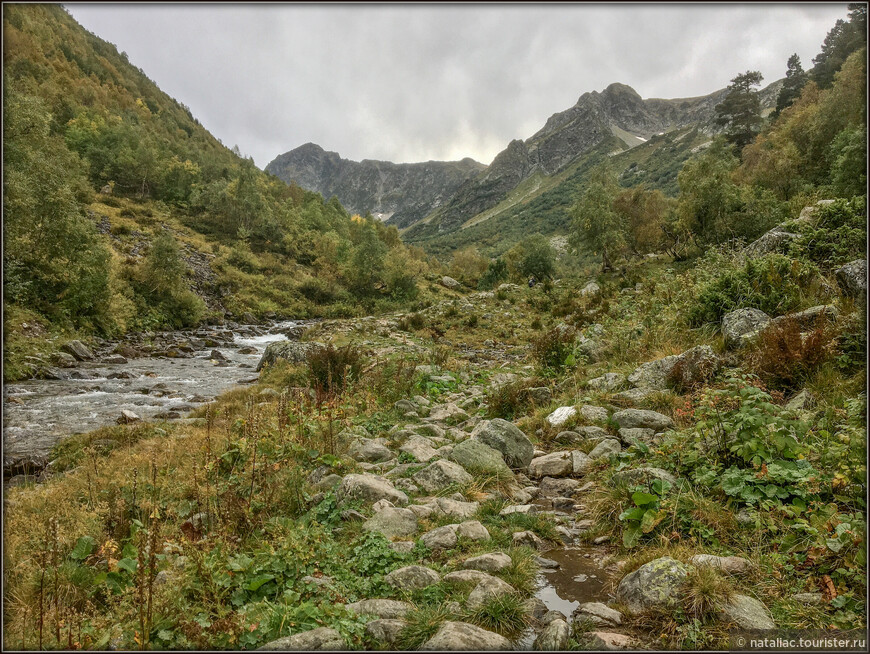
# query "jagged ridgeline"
(100, 163)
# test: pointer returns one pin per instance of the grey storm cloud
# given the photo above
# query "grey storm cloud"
(418, 82)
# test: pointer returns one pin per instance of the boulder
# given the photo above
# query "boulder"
(561, 415)
(729, 564)
(605, 448)
(420, 448)
(775, 240)
(449, 282)
(441, 474)
(493, 562)
(127, 417)
(590, 290)
(556, 464)
(320, 639)
(384, 630)
(446, 506)
(412, 577)
(383, 608)
(507, 439)
(518, 508)
(369, 488)
(449, 414)
(654, 585)
(599, 614)
(740, 326)
(369, 451)
(63, 360)
(392, 522)
(550, 487)
(441, 538)
(654, 374)
(466, 577)
(594, 413)
(852, 279)
(809, 319)
(579, 462)
(473, 530)
(693, 367)
(554, 637)
(607, 382)
(747, 613)
(292, 351)
(461, 636)
(486, 590)
(630, 418)
(78, 350)
(479, 458)
(528, 539)
(644, 435)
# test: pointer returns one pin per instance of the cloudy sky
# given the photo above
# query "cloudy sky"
(420, 82)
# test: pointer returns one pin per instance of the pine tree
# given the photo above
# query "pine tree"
(740, 111)
(795, 79)
(843, 39)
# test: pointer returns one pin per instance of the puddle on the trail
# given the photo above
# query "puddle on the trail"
(581, 578)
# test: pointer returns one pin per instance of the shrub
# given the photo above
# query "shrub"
(332, 368)
(316, 290)
(772, 283)
(512, 399)
(554, 349)
(411, 322)
(838, 236)
(786, 357)
(496, 273)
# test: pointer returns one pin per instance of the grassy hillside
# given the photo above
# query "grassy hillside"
(99, 163)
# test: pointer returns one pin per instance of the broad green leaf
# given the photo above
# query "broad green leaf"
(635, 513)
(83, 548)
(129, 565)
(642, 499)
(258, 581)
(631, 535)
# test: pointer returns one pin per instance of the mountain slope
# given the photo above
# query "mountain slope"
(402, 193)
(618, 111)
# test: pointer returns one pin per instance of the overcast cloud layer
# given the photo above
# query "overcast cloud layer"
(414, 83)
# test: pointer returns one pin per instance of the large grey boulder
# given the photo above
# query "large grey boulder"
(369, 488)
(292, 351)
(607, 382)
(653, 585)
(320, 639)
(383, 608)
(747, 613)
(449, 413)
(441, 474)
(465, 577)
(441, 538)
(369, 451)
(385, 630)
(609, 641)
(392, 522)
(492, 562)
(449, 282)
(550, 487)
(473, 530)
(594, 413)
(554, 637)
(461, 636)
(412, 577)
(631, 418)
(605, 448)
(505, 437)
(455, 508)
(420, 448)
(691, 367)
(77, 349)
(811, 318)
(775, 240)
(556, 464)
(740, 326)
(729, 564)
(479, 458)
(599, 614)
(561, 415)
(852, 279)
(654, 374)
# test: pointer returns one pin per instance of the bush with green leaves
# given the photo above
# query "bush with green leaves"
(646, 513)
(553, 350)
(838, 235)
(773, 283)
(332, 368)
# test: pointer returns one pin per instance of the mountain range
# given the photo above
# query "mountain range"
(425, 200)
